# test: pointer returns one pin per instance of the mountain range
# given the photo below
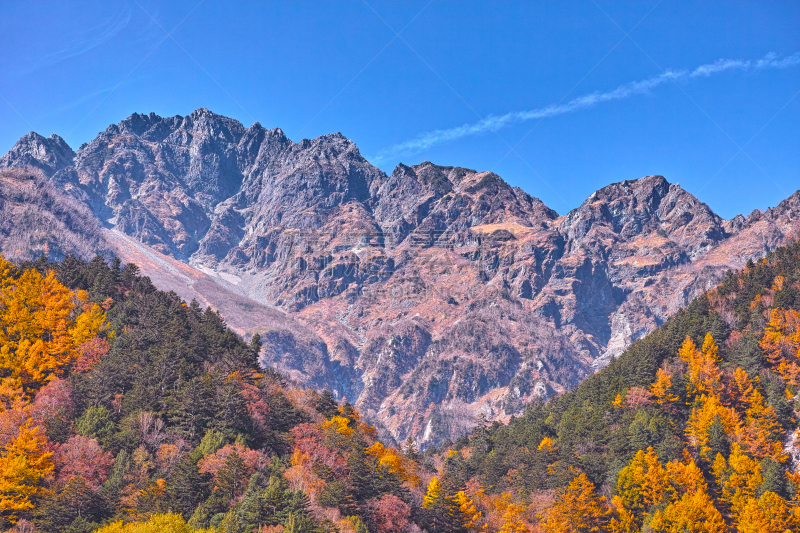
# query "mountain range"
(427, 297)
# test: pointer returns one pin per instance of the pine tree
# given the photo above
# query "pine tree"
(410, 449)
(441, 514)
(717, 439)
(187, 487)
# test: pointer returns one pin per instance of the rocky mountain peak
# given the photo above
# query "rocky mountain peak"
(329, 146)
(136, 124)
(434, 286)
(647, 192)
(203, 121)
(640, 207)
(47, 154)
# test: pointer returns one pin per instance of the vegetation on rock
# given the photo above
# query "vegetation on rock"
(124, 409)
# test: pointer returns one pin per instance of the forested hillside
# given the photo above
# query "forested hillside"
(693, 429)
(125, 409)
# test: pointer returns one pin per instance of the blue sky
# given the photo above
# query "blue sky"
(559, 98)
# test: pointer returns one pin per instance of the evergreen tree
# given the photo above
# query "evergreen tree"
(187, 487)
(718, 442)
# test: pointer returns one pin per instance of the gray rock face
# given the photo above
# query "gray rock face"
(47, 154)
(436, 293)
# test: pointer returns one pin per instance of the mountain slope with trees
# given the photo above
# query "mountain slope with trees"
(693, 428)
(124, 409)
(121, 404)
(426, 296)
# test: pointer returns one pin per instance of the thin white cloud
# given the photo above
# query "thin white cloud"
(90, 39)
(495, 122)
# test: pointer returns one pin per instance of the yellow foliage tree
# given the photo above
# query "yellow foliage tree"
(641, 485)
(762, 431)
(661, 389)
(768, 514)
(577, 509)
(706, 408)
(470, 514)
(159, 523)
(686, 476)
(694, 512)
(645, 484)
(394, 462)
(24, 462)
(742, 388)
(512, 516)
(703, 372)
(11, 395)
(739, 477)
(339, 424)
(546, 445)
(622, 520)
(42, 326)
(781, 343)
(433, 495)
(708, 370)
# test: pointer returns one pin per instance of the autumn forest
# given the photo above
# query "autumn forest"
(124, 409)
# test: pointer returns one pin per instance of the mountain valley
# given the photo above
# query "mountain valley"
(426, 297)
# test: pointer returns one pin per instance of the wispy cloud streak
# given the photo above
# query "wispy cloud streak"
(497, 122)
(90, 39)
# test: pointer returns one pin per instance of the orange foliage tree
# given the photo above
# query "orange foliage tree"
(395, 462)
(656, 497)
(43, 324)
(693, 513)
(661, 389)
(704, 372)
(781, 343)
(470, 514)
(24, 463)
(577, 509)
(706, 409)
(768, 513)
(640, 485)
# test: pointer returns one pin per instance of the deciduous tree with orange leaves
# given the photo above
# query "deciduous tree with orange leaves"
(640, 485)
(661, 389)
(578, 509)
(781, 343)
(694, 512)
(43, 324)
(768, 513)
(704, 372)
(24, 463)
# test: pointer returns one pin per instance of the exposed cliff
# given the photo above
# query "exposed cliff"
(426, 296)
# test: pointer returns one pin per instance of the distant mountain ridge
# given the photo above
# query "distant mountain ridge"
(435, 293)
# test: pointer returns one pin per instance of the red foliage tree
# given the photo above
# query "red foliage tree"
(310, 440)
(212, 464)
(54, 399)
(257, 407)
(389, 514)
(82, 456)
(90, 353)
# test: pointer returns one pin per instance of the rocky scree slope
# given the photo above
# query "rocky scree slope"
(434, 293)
